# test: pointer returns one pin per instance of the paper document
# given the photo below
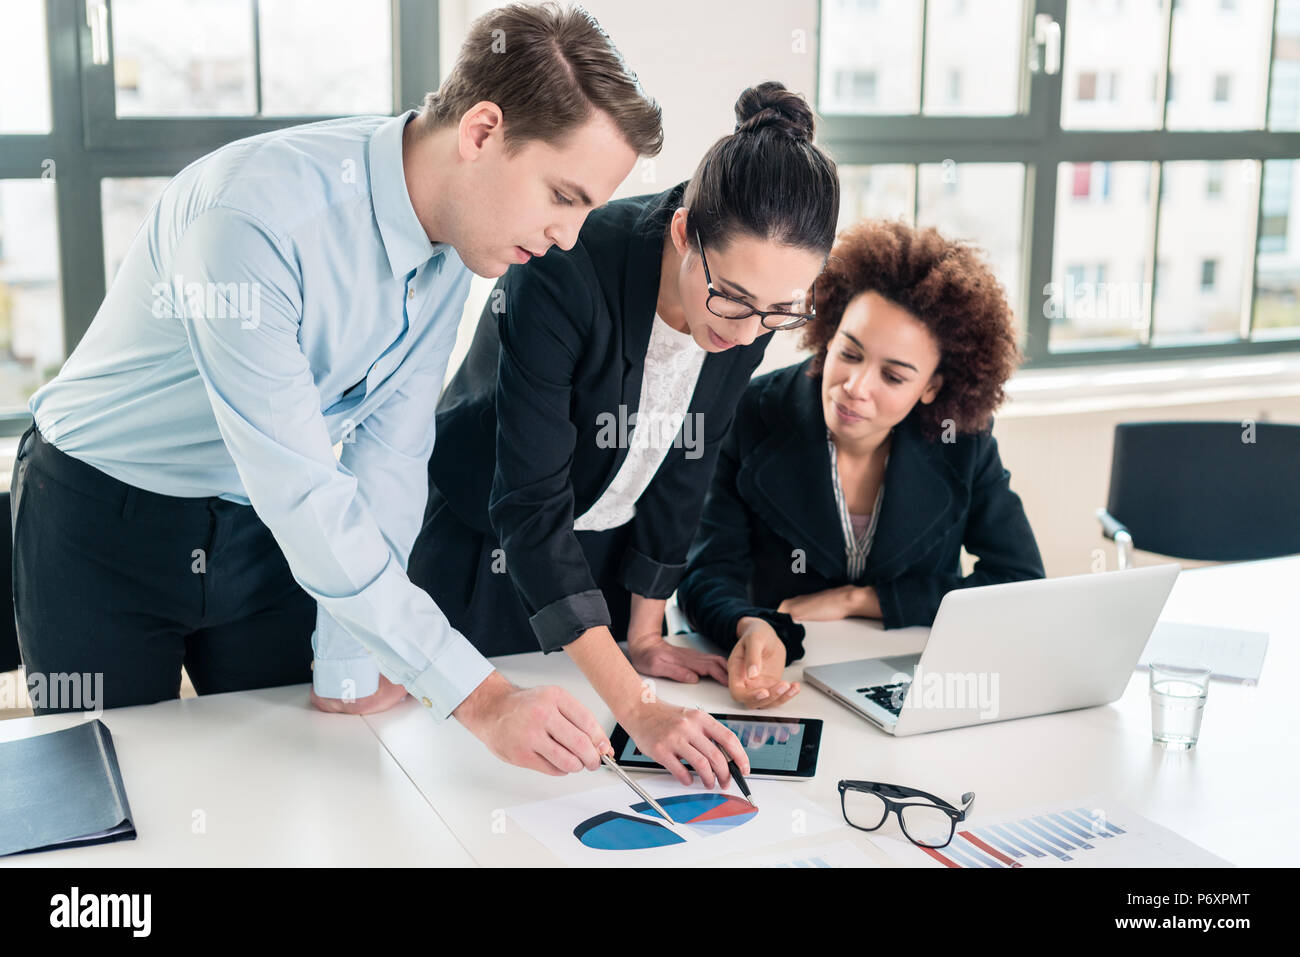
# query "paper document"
(610, 827)
(1229, 653)
(1088, 832)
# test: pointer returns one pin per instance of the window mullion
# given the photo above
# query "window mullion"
(257, 57)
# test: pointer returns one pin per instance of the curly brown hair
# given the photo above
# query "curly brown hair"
(950, 289)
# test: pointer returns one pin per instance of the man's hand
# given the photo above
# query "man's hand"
(656, 658)
(847, 601)
(385, 696)
(755, 666)
(543, 729)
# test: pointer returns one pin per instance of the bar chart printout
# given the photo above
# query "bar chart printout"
(1083, 833)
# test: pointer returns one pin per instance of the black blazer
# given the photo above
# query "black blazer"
(771, 530)
(560, 347)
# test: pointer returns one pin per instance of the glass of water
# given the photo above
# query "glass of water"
(1177, 703)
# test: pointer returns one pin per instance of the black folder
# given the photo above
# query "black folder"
(62, 789)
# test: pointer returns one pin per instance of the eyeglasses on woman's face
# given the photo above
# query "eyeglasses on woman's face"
(729, 307)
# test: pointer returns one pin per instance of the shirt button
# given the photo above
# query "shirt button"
(410, 294)
(427, 702)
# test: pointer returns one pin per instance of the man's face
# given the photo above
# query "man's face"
(513, 208)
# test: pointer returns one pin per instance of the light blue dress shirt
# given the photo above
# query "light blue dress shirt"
(282, 297)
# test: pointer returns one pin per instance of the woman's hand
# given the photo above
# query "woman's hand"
(847, 601)
(654, 657)
(672, 734)
(755, 666)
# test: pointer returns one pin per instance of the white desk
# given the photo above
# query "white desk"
(1232, 794)
(283, 784)
(278, 784)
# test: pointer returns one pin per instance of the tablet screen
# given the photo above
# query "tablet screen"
(771, 745)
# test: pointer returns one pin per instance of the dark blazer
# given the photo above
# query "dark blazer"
(520, 452)
(771, 530)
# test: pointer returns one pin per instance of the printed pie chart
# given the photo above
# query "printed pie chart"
(707, 814)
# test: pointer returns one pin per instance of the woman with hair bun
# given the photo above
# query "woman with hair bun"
(576, 442)
(851, 481)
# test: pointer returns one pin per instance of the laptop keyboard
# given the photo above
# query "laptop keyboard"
(889, 697)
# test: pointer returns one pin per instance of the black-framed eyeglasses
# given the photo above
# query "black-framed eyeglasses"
(729, 307)
(927, 821)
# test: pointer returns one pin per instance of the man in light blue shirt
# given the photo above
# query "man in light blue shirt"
(290, 293)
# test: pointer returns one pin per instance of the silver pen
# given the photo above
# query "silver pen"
(613, 766)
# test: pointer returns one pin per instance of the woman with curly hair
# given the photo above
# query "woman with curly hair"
(850, 482)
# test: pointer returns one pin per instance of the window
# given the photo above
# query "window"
(1158, 212)
(1202, 304)
(1222, 86)
(1222, 66)
(240, 58)
(856, 88)
(1213, 180)
(1208, 268)
(87, 143)
(124, 205)
(1090, 181)
(915, 73)
(31, 338)
(1277, 265)
(1087, 87)
(24, 69)
(1098, 87)
(1082, 180)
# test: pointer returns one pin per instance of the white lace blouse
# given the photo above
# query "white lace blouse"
(672, 366)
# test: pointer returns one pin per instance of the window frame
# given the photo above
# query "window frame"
(89, 143)
(1036, 140)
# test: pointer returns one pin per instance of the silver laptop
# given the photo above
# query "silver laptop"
(1010, 651)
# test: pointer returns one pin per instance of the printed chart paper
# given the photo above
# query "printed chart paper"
(1089, 832)
(611, 827)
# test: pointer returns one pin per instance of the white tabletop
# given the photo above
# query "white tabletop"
(254, 778)
(1232, 794)
(279, 783)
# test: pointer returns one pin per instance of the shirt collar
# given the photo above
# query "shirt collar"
(405, 240)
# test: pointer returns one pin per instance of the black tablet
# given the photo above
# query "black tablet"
(780, 748)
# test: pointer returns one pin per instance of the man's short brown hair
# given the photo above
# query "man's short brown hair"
(548, 69)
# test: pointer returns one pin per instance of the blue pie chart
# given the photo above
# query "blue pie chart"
(707, 814)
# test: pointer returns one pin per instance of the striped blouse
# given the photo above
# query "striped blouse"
(856, 546)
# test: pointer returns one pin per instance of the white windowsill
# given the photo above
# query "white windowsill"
(1081, 389)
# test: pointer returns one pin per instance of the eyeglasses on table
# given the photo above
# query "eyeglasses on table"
(926, 820)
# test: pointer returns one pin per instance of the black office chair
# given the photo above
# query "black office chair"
(9, 656)
(1209, 491)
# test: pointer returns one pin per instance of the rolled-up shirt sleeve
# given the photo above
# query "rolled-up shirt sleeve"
(542, 329)
(345, 544)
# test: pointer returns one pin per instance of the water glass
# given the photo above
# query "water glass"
(1177, 703)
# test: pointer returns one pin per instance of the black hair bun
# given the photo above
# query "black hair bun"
(770, 104)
